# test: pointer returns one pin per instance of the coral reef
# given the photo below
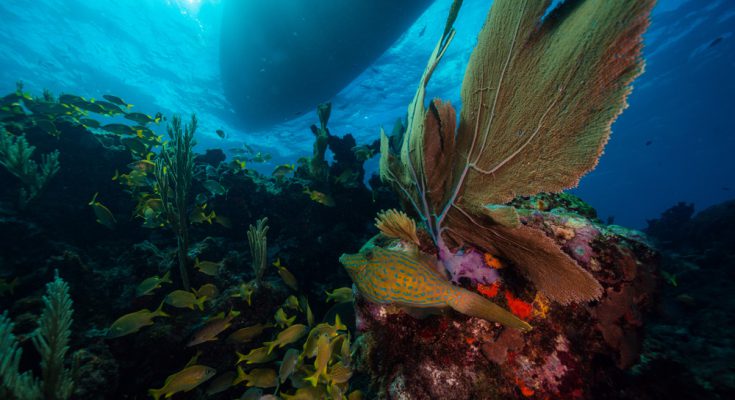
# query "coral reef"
(577, 351)
(15, 157)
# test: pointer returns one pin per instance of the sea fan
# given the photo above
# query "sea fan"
(396, 224)
(538, 98)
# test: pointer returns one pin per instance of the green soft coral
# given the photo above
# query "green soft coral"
(15, 157)
(51, 339)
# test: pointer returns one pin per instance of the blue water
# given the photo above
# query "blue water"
(674, 143)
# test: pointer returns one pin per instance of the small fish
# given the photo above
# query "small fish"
(143, 165)
(348, 178)
(307, 393)
(119, 129)
(397, 277)
(184, 299)
(109, 108)
(135, 145)
(323, 355)
(669, 278)
(283, 170)
(222, 220)
(340, 295)
(214, 327)
(150, 284)
(221, 383)
(244, 335)
(287, 336)
(139, 118)
(117, 100)
(134, 321)
(649, 142)
(292, 303)
(89, 123)
(363, 153)
(208, 290)
(210, 268)
(214, 187)
(288, 365)
(305, 306)
(239, 164)
(8, 287)
(103, 214)
(282, 320)
(286, 275)
(258, 377)
(199, 215)
(221, 133)
(183, 381)
(321, 198)
(339, 373)
(323, 329)
(252, 394)
(258, 355)
(245, 291)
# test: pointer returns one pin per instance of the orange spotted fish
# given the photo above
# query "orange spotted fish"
(393, 276)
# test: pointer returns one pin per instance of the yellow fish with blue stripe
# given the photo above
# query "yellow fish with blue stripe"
(387, 276)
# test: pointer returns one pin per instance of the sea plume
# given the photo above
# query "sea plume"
(396, 224)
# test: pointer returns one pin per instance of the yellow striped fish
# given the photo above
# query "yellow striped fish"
(393, 276)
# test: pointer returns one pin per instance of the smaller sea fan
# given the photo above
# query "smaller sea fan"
(396, 224)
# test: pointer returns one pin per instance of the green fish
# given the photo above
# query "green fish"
(103, 214)
(283, 170)
(287, 336)
(184, 381)
(259, 355)
(214, 187)
(140, 118)
(134, 321)
(184, 299)
(258, 377)
(117, 100)
(288, 365)
(397, 277)
(119, 129)
(150, 284)
(244, 335)
(340, 295)
(282, 319)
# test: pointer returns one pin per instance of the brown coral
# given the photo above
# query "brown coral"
(396, 224)
(539, 96)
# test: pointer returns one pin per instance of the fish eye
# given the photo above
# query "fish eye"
(368, 254)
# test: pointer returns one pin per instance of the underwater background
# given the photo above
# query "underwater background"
(660, 198)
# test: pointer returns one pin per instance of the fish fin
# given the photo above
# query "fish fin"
(474, 305)
(166, 277)
(200, 302)
(156, 393)
(271, 345)
(313, 379)
(241, 377)
(159, 311)
(338, 323)
(94, 198)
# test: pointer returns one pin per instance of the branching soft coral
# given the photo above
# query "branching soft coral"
(538, 99)
(15, 156)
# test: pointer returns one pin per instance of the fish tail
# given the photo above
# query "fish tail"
(166, 277)
(313, 379)
(474, 305)
(271, 345)
(241, 376)
(159, 311)
(156, 393)
(200, 302)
